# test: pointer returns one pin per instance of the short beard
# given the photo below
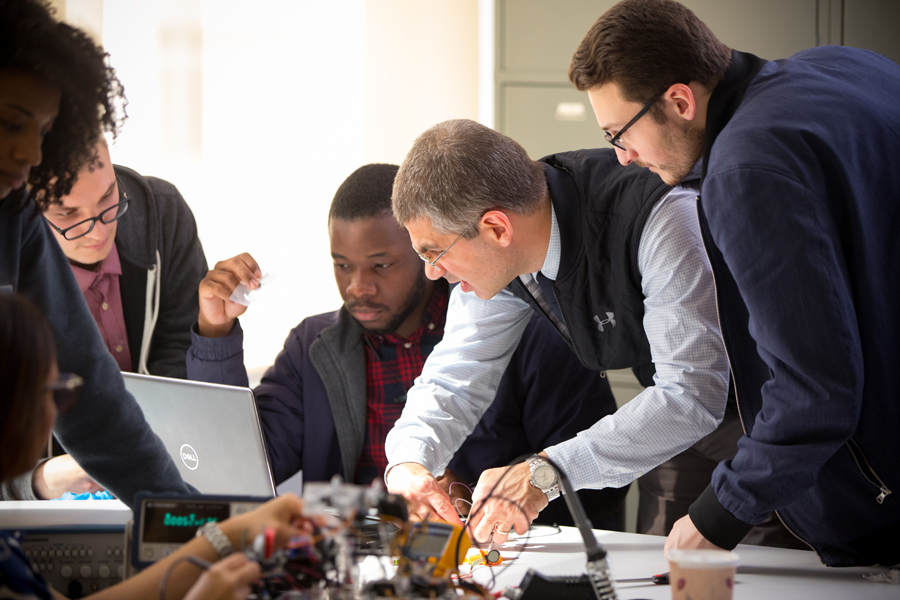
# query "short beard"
(413, 299)
(686, 147)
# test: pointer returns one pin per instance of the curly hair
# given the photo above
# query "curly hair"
(92, 100)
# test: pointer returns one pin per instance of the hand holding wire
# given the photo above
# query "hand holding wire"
(504, 500)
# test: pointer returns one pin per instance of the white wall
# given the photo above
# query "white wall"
(421, 68)
(257, 112)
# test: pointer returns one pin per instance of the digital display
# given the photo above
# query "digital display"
(428, 542)
(168, 522)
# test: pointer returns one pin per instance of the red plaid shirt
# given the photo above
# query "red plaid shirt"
(392, 363)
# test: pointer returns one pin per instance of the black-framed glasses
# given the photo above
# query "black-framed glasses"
(65, 391)
(82, 228)
(433, 263)
(614, 139)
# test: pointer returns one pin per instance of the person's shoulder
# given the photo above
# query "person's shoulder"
(581, 159)
(310, 327)
(148, 188)
(832, 56)
(162, 188)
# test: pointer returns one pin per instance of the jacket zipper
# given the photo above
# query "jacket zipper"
(737, 402)
(566, 323)
(866, 471)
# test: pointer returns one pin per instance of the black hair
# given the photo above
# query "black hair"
(92, 98)
(28, 351)
(365, 194)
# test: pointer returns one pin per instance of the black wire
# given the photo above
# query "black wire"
(556, 529)
(475, 509)
(194, 560)
(592, 548)
(505, 565)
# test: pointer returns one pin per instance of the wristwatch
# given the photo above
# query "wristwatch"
(217, 538)
(544, 477)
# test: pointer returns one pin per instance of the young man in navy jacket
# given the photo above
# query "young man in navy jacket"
(340, 383)
(799, 210)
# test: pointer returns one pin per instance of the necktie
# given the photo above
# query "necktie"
(542, 290)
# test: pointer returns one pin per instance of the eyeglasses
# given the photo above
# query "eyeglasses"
(65, 391)
(433, 263)
(113, 213)
(614, 139)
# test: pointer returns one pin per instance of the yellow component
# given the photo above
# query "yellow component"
(449, 563)
(482, 558)
(434, 543)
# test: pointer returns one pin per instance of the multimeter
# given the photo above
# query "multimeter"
(438, 543)
(163, 522)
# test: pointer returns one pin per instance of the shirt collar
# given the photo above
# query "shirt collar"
(111, 265)
(550, 268)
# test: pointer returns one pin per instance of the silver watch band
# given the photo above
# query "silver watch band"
(217, 539)
(551, 492)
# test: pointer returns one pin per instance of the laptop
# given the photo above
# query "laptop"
(211, 431)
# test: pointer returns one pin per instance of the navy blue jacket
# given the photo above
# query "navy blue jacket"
(800, 210)
(312, 403)
(105, 431)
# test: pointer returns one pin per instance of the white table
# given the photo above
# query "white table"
(764, 573)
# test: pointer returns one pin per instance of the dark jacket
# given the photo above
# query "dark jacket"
(162, 265)
(800, 213)
(601, 208)
(105, 431)
(312, 401)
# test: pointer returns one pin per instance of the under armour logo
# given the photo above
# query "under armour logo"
(609, 320)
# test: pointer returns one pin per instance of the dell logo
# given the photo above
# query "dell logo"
(189, 457)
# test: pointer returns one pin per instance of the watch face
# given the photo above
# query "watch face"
(544, 476)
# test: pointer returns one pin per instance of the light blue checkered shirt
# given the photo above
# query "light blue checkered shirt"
(461, 376)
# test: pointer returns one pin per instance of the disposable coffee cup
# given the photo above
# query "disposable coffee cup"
(702, 574)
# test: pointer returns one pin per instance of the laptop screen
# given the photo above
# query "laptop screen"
(211, 431)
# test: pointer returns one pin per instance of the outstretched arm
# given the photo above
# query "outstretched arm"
(458, 383)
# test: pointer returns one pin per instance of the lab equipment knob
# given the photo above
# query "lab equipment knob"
(85, 571)
(66, 571)
(103, 571)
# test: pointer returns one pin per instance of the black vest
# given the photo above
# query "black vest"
(601, 208)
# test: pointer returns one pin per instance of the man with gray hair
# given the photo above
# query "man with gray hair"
(610, 255)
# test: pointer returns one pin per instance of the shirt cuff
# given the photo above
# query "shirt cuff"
(412, 450)
(576, 462)
(220, 348)
(715, 523)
